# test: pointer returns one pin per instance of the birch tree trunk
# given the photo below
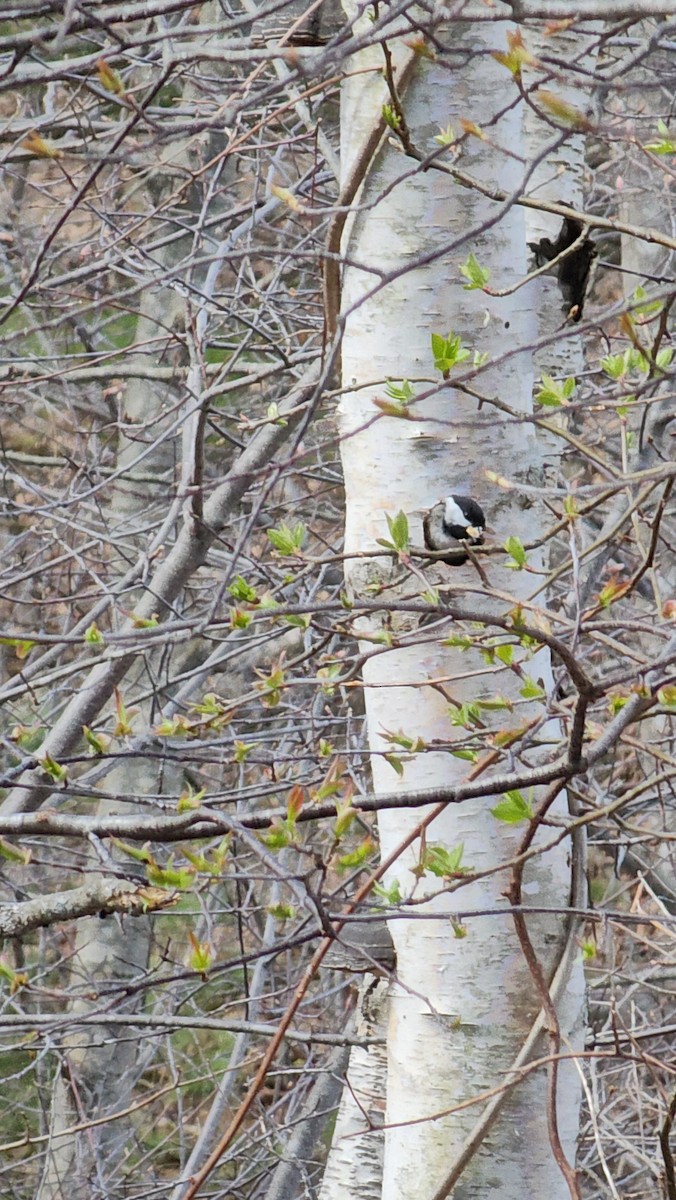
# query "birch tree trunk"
(463, 1006)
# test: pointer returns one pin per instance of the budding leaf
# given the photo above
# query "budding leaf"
(448, 352)
(563, 112)
(476, 276)
(41, 147)
(287, 540)
(109, 78)
(666, 144)
(513, 809)
(515, 549)
(445, 863)
(93, 635)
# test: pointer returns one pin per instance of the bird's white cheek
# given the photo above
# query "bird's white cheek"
(453, 514)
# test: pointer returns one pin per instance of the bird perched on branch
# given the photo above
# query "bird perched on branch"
(573, 272)
(453, 524)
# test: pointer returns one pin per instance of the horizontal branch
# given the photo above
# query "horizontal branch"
(101, 896)
(164, 1021)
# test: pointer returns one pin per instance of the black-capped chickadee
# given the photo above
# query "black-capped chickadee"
(452, 524)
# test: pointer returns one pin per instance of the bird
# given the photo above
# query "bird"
(453, 524)
(573, 273)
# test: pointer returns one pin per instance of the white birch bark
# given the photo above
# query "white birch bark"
(462, 1008)
(355, 1163)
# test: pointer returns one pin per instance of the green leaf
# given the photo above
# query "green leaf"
(495, 703)
(445, 137)
(402, 392)
(268, 603)
(358, 857)
(465, 755)
(278, 835)
(13, 853)
(505, 652)
(398, 527)
(150, 622)
(281, 912)
(613, 365)
(189, 799)
(395, 763)
(448, 351)
(414, 745)
(240, 619)
(54, 769)
(21, 647)
(468, 715)
(270, 688)
(211, 705)
(29, 737)
(516, 56)
(138, 853)
(173, 726)
(298, 620)
(460, 641)
(391, 116)
(513, 809)
(273, 409)
(170, 876)
(666, 144)
(566, 114)
(109, 78)
(649, 308)
(324, 676)
(98, 742)
(202, 955)
(532, 690)
(125, 716)
(287, 540)
(515, 549)
(553, 394)
(93, 635)
(345, 815)
(445, 863)
(391, 894)
(15, 979)
(242, 750)
(476, 275)
(242, 592)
